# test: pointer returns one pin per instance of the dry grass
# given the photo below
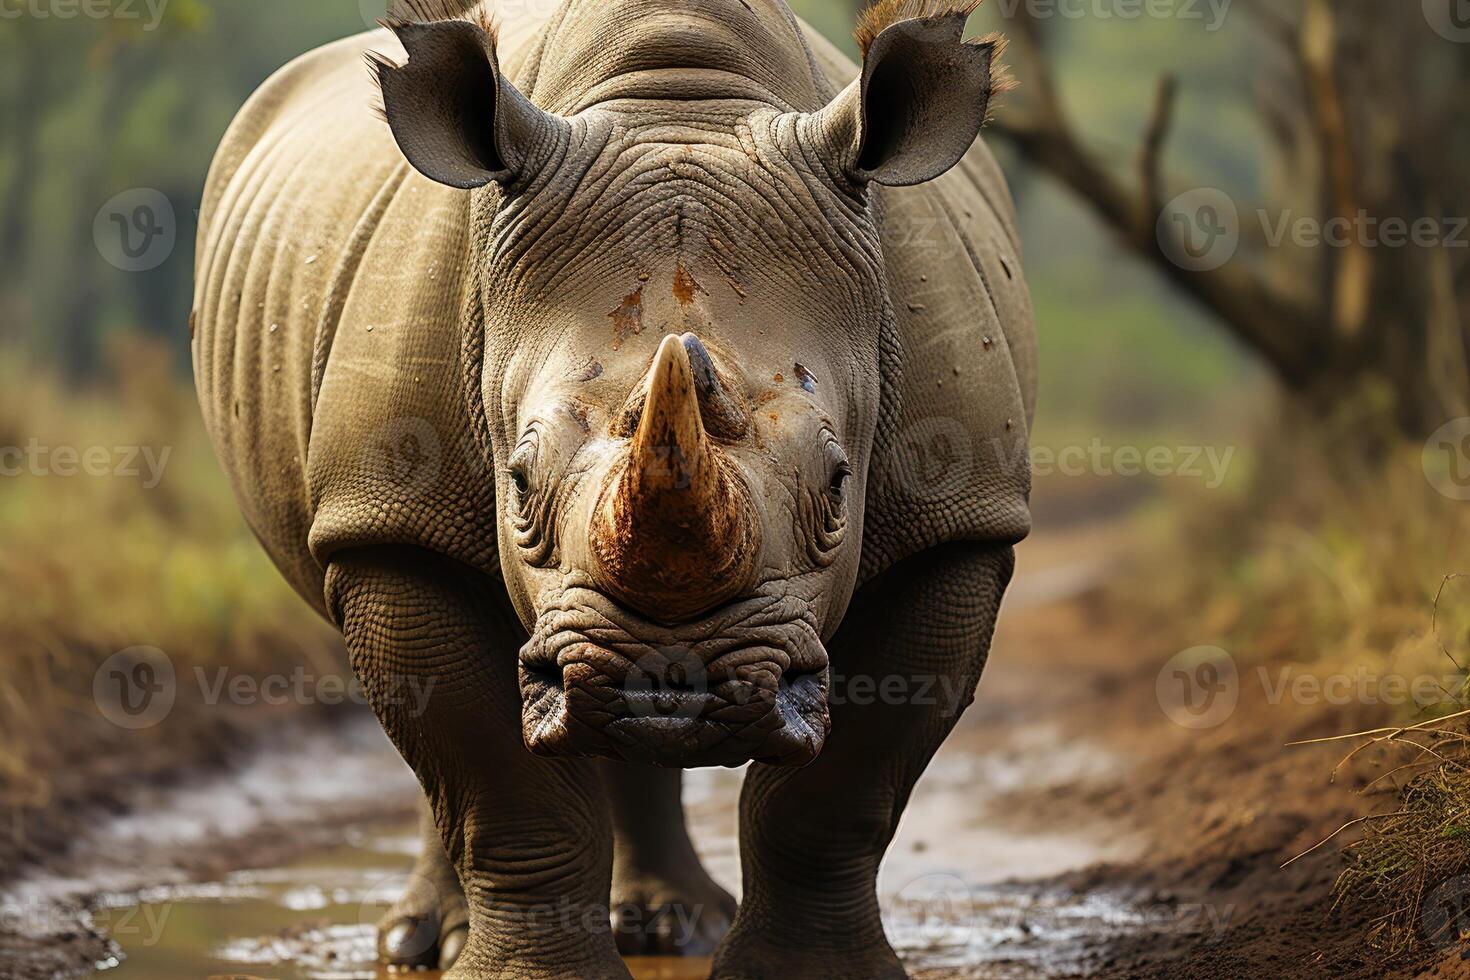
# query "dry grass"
(97, 564)
(1411, 863)
(1331, 550)
(1338, 553)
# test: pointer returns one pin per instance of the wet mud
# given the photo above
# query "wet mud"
(1067, 828)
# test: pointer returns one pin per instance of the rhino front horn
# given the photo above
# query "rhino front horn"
(675, 533)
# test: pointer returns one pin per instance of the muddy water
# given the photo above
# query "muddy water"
(964, 894)
(309, 920)
(948, 907)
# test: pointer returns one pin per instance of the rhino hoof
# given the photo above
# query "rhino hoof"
(419, 943)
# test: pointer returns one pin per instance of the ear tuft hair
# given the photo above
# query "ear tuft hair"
(430, 11)
(378, 65)
(883, 14)
(1001, 79)
(424, 12)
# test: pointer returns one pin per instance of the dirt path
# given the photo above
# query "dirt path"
(1211, 784)
(1072, 826)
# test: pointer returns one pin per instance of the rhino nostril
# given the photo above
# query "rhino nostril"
(543, 671)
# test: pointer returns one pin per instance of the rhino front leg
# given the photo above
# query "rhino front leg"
(664, 902)
(907, 660)
(434, 644)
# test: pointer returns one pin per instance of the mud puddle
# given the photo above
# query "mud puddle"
(954, 886)
(310, 920)
(282, 870)
(949, 907)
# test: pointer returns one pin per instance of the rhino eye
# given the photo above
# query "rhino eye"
(533, 514)
(522, 465)
(521, 481)
(841, 477)
(824, 509)
(839, 469)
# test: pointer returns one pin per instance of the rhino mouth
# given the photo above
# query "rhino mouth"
(747, 683)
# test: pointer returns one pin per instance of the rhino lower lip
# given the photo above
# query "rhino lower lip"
(747, 682)
(644, 697)
(575, 709)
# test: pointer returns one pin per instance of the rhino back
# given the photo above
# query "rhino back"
(951, 460)
(328, 328)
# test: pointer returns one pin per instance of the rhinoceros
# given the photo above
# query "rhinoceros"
(650, 384)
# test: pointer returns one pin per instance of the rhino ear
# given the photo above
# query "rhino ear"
(456, 118)
(918, 106)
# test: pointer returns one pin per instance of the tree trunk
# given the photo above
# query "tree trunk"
(1368, 133)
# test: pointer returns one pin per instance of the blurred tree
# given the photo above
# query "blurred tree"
(1357, 280)
(52, 110)
(104, 101)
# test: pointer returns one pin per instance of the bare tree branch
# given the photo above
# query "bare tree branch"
(1150, 158)
(1268, 16)
(1250, 309)
(1234, 291)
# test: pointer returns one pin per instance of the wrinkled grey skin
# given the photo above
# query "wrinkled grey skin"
(653, 401)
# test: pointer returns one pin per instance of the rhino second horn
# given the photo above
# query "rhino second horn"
(675, 533)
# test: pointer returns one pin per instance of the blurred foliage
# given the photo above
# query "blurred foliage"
(1315, 554)
(1355, 107)
(91, 108)
(100, 563)
(1119, 348)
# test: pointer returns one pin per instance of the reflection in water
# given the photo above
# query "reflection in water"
(314, 920)
(311, 921)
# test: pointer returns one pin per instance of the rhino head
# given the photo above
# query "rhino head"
(685, 319)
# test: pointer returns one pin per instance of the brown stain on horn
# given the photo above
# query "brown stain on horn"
(675, 532)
